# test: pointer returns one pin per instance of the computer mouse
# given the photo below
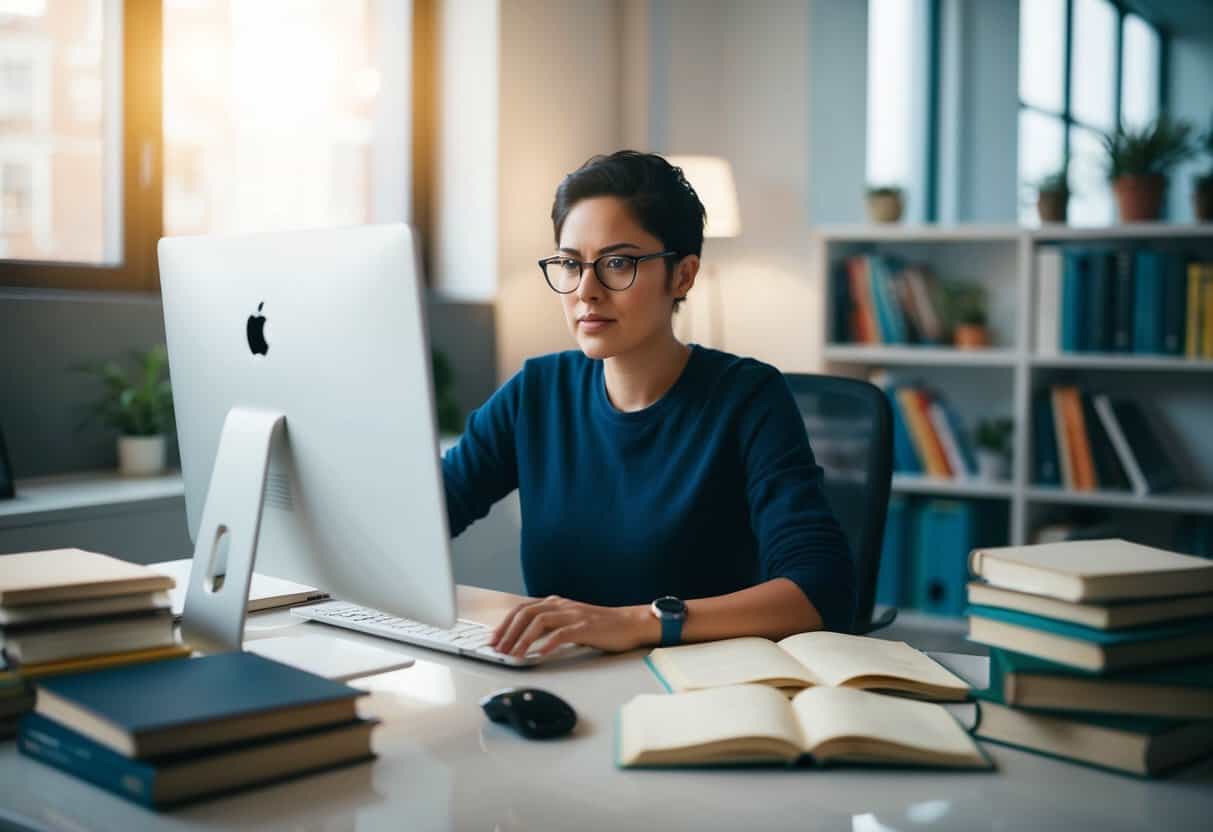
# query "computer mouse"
(535, 714)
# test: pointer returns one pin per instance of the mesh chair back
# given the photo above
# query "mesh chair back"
(850, 428)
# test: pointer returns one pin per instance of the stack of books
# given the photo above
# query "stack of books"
(1101, 652)
(928, 435)
(1088, 443)
(68, 610)
(165, 733)
(880, 300)
(1124, 300)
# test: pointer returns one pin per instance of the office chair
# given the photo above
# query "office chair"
(850, 426)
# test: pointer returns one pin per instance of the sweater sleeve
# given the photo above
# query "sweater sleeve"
(483, 467)
(798, 536)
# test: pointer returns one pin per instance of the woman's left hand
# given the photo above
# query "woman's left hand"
(560, 621)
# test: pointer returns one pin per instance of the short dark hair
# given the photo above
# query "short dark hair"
(658, 195)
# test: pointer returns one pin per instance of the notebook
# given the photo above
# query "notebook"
(750, 724)
(265, 591)
(149, 709)
(72, 574)
(1088, 648)
(184, 777)
(1093, 570)
(807, 660)
(89, 637)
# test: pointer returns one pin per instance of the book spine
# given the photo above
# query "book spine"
(951, 450)
(1192, 325)
(905, 456)
(935, 452)
(962, 440)
(861, 301)
(890, 576)
(1174, 309)
(1048, 472)
(1048, 300)
(843, 331)
(1206, 314)
(1080, 441)
(944, 540)
(1103, 409)
(932, 328)
(1122, 302)
(1073, 294)
(907, 397)
(1065, 453)
(1148, 301)
(1098, 322)
(44, 740)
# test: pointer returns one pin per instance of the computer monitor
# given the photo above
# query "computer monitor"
(301, 375)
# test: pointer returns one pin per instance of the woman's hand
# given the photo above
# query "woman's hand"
(560, 621)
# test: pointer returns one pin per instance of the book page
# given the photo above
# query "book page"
(833, 714)
(837, 658)
(730, 662)
(654, 722)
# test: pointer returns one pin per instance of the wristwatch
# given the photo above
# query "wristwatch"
(671, 612)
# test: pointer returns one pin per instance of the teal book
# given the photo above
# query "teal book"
(891, 575)
(1148, 301)
(163, 707)
(1097, 305)
(1122, 301)
(1076, 275)
(1044, 441)
(888, 312)
(943, 539)
(1179, 691)
(1144, 746)
(180, 778)
(905, 455)
(1088, 648)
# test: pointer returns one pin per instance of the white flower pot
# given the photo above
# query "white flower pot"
(991, 466)
(141, 456)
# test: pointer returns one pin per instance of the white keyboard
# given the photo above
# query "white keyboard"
(466, 638)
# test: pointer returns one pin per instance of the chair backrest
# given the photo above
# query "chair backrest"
(850, 427)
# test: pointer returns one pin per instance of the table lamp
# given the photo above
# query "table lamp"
(712, 179)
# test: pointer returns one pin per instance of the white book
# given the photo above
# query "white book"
(1048, 300)
(265, 591)
(1129, 462)
(943, 429)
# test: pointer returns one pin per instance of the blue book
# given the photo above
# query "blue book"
(165, 707)
(1121, 313)
(942, 542)
(1074, 279)
(888, 308)
(179, 778)
(959, 434)
(1098, 302)
(891, 576)
(905, 455)
(1044, 445)
(1148, 291)
(1088, 648)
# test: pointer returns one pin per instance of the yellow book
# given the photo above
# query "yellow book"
(1192, 325)
(755, 724)
(57, 668)
(817, 659)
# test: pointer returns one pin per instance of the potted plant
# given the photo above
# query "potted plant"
(967, 308)
(1138, 161)
(139, 406)
(1202, 187)
(993, 448)
(1052, 197)
(884, 203)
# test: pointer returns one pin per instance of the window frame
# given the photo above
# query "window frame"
(1066, 116)
(142, 179)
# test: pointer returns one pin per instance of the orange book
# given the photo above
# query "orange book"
(1079, 441)
(930, 449)
(861, 300)
(1065, 455)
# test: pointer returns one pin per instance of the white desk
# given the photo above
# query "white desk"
(443, 766)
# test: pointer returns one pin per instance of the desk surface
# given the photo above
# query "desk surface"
(443, 766)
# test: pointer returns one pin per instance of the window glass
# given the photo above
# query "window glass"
(1139, 75)
(1091, 200)
(1042, 53)
(60, 131)
(276, 113)
(1093, 64)
(1042, 140)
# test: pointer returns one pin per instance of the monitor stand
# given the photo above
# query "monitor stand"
(216, 601)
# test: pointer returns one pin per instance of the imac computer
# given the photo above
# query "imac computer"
(302, 387)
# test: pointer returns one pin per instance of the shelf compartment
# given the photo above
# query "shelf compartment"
(973, 488)
(1182, 501)
(920, 355)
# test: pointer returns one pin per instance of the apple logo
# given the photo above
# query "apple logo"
(256, 333)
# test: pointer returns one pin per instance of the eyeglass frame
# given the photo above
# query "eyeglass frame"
(581, 264)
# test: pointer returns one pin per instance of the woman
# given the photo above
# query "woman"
(648, 470)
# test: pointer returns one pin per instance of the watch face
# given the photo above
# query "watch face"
(670, 605)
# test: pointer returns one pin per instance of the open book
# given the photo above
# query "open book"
(807, 660)
(757, 724)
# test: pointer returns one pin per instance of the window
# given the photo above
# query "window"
(1085, 66)
(124, 120)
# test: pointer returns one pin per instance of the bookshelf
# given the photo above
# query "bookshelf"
(1000, 380)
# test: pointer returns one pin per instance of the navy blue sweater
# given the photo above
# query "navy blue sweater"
(710, 490)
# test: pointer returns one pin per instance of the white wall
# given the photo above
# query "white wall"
(1190, 96)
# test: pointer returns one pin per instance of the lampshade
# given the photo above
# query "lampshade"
(712, 179)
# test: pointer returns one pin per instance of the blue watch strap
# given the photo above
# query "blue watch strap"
(671, 630)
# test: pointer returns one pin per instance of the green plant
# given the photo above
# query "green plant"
(995, 435)
(450, 419)
(966, 304)
(1054, 183)
(883, 190)
(1154, 149)
(139, 403)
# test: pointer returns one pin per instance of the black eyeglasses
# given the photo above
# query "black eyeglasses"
(616, 272)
